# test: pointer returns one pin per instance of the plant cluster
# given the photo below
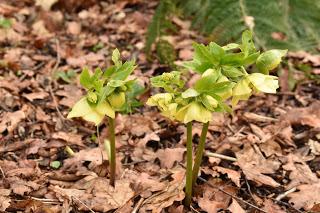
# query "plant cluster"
(224, 76)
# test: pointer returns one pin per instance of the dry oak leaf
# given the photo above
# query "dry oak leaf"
(46, 4)
(232, 174)
(307, 196)
(4, 199)
(70, 138)
(173, 192)
(300, 172)
(255, 166)
(35, 95)
(305, 116)
(10, 120)
(94, 155)
(168, 156)
(98, 194)
(271, 207)
(235, 207)
(71, 94)
(214, 200)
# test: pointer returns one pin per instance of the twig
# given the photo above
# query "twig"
(136, 208)
(283, 195)
(193, 209)
(50, 83)
(83, 204)
(2, 172)
(216, 155)
(235, 197)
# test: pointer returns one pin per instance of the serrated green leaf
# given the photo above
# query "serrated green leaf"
(190, 93)
(231, 72)
(217, 51)
(247, 45)
(269, 60)
(205, 83)
(85, 79)
(116, 83)
(233, 59)
(124, 70)
(251, 59)
(116, 57)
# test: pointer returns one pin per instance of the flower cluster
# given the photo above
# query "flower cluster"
(223, 76)
(106, 91)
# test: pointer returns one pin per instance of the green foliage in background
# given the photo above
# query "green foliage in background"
(284, 24)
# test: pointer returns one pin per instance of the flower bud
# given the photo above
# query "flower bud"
(92, 97)
(117, 99)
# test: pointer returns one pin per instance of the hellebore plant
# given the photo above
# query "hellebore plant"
(223, 77)
(107, 93)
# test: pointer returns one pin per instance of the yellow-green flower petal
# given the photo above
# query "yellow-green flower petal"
(105, 109)
(80, 109)
(117, 99)
(241, 91)
(194, 112)
(171, 111)
(269, 60)
(94, 117)
(264, 83)
(213, 102)
(227, 94)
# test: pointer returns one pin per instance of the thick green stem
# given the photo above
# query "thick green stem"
(188, 189)
(199, 153)
(112, 159)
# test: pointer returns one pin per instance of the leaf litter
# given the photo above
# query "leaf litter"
(273, 138)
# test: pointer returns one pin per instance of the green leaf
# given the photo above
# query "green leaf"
(231, 72)
(190, 93)
(55, 164)
(217, 51)
(205, 83)
(269, 60)
(231, 46)
(105, 91)
(233, 59)
(251, 58)
(108, 72)
(219, 87)
(5, 23)
(85, 79)
(116, 83)
(116, 57)
(247, 46)
(124, 70)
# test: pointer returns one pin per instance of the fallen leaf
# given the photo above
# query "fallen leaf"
(173, 192)
(300, 173)
(314, 146)
(232, 174)
(214, 200)
(46, 4)
(10, 120)
(305, 116)
(36, 95)
(235, 207)
(307, 196)
(98, 194)
(4, 199)
(70, 138)
(74, 28)
(168, 156)
(255, 166)
(271, 207)
(71, 94)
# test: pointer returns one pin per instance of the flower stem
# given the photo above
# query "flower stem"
(199, 153)
(188, 189)
(112, 159)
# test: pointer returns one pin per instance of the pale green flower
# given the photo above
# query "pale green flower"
(264, 83)
(94, 113)
(226, 94)
(194, 111)
(117, 99)
(164, 102)
(241, 91)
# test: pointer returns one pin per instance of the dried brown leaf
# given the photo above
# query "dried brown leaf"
(235, 207)
(168, 156)
(307, 196)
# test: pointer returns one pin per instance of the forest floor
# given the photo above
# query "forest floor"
(269, 150)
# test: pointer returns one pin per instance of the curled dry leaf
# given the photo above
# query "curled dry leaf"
(35, 95)
(173, 192)
(300, 173)
(235, 207)
(255, 166)
(4, 199)
(214, 200)
(97, 194)
(70, 138)
(305, 116)
(271, 207)
(232, 174)
(168, 156)
(10, 120)
(307, 196)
